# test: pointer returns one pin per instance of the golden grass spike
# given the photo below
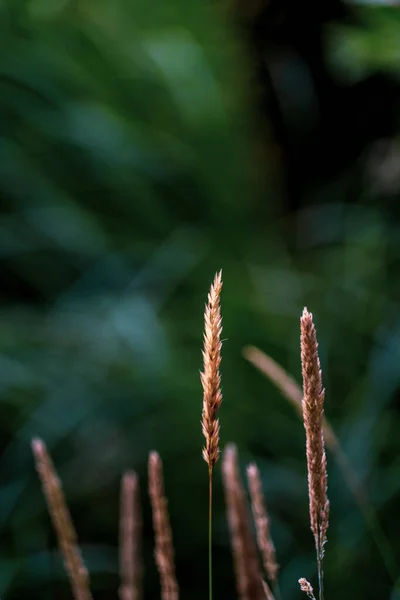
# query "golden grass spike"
(130, 539)
(212, 396)
(210, 377)
(164, 549)
(261, 520)
(248, 576)
(61, 518)
(313, 412)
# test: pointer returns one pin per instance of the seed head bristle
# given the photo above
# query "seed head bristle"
(248, 576)
(313, 414)
(130, 539)
(210, 377)
(261, 520)
(306, 587)
(62, 522)
(164, 549)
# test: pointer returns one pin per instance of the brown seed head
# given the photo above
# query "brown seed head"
(261, 520)
(210, 377)
(130, 538)
(164, 549)
(62, 523)
(313, 413)
(248, 577)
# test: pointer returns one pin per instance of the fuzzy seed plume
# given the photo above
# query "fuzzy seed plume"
(261, 520)
(313, 414)
(164, 548)
(210, 376)
(130, 539)
(248, 576)
(62, 522)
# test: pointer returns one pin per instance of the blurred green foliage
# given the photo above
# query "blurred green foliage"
(127, 178)
(357, 50)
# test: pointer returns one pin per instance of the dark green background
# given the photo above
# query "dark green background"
(130, 173)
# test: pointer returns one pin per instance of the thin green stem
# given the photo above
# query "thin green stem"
(320, 576)
(210, 534)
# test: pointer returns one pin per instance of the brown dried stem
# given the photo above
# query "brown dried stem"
(61, 518)
(164, 549)
(261, 520)
(130, 538)
(248, 577)
(313, 412)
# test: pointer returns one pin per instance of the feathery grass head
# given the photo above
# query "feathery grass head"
(131, 571)
(62, 522)
(313, 414)
(164, 548)
(248, 576)
(261, 520)
(210, 377)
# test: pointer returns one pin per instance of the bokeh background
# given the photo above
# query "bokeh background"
(143, 146)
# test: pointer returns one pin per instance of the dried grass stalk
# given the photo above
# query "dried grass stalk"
(61, 518)
(313, 412)
(164, 549)
(130, 539)
(248, 576)
(261, 520)
(210, 377)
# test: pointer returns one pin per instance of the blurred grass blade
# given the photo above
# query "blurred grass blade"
(286, 385)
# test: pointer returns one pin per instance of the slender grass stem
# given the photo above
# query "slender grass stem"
(320, 577)
(210, 494)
